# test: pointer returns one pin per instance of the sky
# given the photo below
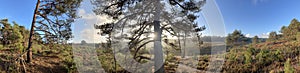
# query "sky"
(252, 17)
(20, 11)
(258, 17)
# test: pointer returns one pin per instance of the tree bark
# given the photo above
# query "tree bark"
(114, 54)
(184, 44)
(158, 52)
(29, 49)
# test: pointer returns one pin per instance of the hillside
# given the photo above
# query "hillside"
(263, 57)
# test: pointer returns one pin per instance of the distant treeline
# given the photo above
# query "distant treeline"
(223, 39)
(215, 38)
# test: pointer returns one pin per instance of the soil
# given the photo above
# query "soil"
(39, 64)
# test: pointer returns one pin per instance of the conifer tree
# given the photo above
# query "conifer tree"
(255, 40)
(161, 15)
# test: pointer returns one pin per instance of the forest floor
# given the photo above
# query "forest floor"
(54, 61)
(184, 65)
(49, 63)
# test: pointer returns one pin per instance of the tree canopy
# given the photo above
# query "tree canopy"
(236, 38)
(273, 36)
(290, 32)
(255, 40)
(54, 19)
(141, 16)
(13, 35)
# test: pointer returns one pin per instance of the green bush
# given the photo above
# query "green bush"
(278, 55)
(66, 55)
(70, 64)
(287, 67)
(248, 58)
(298, 37)
(230, 57)
(261, 57)
(252, 51)
(1, 47)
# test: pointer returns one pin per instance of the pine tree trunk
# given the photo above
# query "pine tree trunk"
(29, 49)
(184, 44)
(179, 43)
(114, 50)
(158, 52)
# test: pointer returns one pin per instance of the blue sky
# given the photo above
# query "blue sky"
(253, 17)
(256, 17)
(20, 11)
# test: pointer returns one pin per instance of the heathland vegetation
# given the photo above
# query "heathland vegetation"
(44, 48)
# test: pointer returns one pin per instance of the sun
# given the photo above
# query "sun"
(151, 36)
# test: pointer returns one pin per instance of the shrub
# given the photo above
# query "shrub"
(69, 64)
(252, 51)
(278, 55)
(68, 59)
(287, 67)
(1, 47)
(230, 57)
(36, 48)
(264, 57)
(248, 58)
(298, 37)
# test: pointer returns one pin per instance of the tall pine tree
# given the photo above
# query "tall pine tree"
(159, 14)
(53, 19)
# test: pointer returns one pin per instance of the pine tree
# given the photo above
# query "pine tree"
(236, 38)
(83, 42)
(5, 32)
(12, 35)
(154, 14)
(255, 40)
(25, 33)
(53, 18)
(273, 36)
(290, 32)
(17, 38)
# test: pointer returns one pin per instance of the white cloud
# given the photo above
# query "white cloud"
(264, 35)
(84, 26)
(91, 36)
(91, 18)
(89, 33)
(248, 35)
